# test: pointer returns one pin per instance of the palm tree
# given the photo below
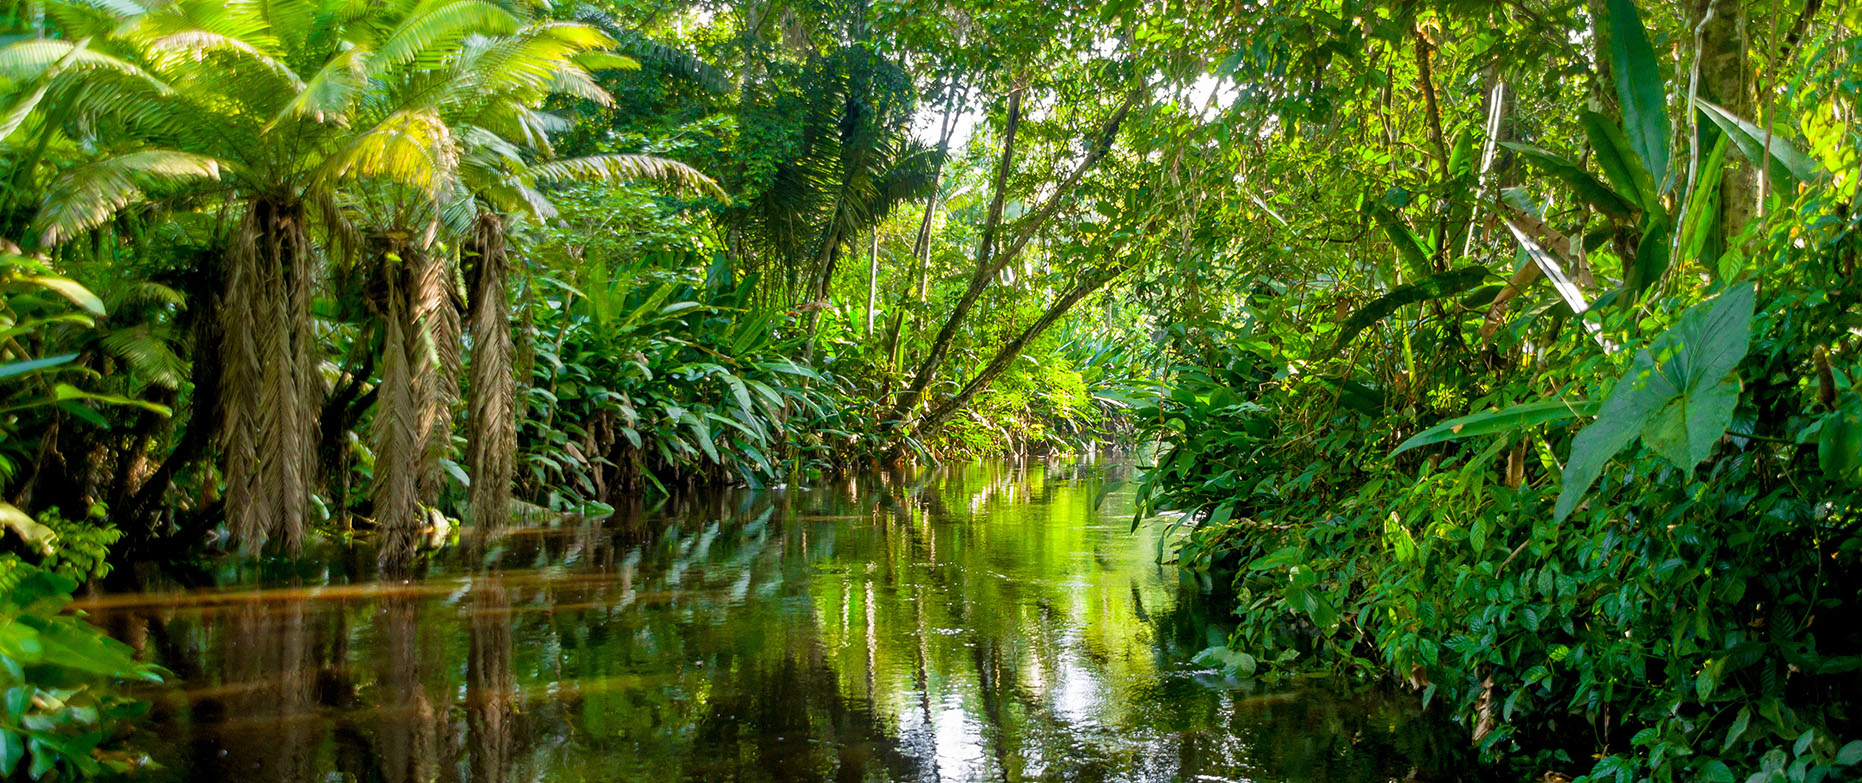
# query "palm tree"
(505, 191)
(477, 127)
(195, 88)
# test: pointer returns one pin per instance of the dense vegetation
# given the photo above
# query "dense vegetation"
(1504, 350)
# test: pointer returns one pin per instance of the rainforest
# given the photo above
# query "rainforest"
(931, 390)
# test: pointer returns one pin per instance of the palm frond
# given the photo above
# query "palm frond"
(23, 61)
(414, 148)
(94, 18)
(426, 36)
(330, 92)
(621, 168)
(87, 195)
(183, 48)
(149, 354)
(606, 61)
(538, 60)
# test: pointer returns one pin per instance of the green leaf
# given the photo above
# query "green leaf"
(1449, 283)
(1651, 258)
(1639, 88)
(1839, 441)
(1706, 343)
(1620, 164)
(1787, 166)
(1716, 772)
(1850, 755)
(1738, 728)
(1415, 256)
(1279, 558)
(11, 369)
(12, 749)
(703, 430)
(1592, 190)
(1703, 209)
(65, 392)
(1498, 422)
(1684, 432)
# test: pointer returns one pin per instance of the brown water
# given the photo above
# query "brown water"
(982, 623)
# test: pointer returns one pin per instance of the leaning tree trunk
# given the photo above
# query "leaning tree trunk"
(990, 260)
(268, 383)
(491, 405)
(1010, 352)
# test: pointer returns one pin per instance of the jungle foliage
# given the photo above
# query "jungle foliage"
(1545, 406)
(1507, 350)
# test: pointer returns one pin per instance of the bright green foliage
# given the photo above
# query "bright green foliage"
(1610, 523)
(59, 709)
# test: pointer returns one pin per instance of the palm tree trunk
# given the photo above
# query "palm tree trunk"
(399, 439)
(411, 425)
(491, 420)
(269, 385)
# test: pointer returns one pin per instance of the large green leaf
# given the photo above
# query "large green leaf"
(1449, 283)
(1677, 394)
(1498, 422)
(1639, 88)
(1592, 190)
(1619, 161)
(1639, 394)
(1787, 166)
(1686, 429)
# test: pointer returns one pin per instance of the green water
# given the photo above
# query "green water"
(976, 623)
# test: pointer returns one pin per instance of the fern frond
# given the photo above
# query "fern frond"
(87, 195)
(426, 36)
(620, 168)
(24, 61)
(415, 148)
(329, 94)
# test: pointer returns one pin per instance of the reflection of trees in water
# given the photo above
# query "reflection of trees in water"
(405, 717)
(910, 627)
(259, 722)
(491, 687)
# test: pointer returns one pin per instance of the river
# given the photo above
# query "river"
(989, 622)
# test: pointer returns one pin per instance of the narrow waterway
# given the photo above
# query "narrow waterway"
(967, 623)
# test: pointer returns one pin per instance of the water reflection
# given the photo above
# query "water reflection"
(966, 624)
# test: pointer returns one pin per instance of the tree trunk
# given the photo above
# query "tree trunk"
(872, 282)
(989, 262)
(269, 383)
(921, 244)
(491, 404)
(1006, 356)
(1726, 79)
(984, 249)
(411, 425)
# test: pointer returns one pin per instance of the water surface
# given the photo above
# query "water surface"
(974, 623)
